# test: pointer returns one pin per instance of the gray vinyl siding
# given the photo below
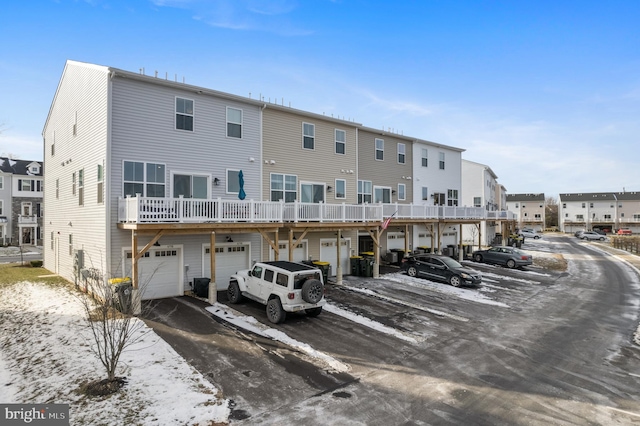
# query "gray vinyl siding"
(386, 173)
(82, 93)
(282, 143)
(143, 130)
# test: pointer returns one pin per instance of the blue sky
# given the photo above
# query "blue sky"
(546, 93)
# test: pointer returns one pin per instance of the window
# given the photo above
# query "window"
(425, 193)
(52, 240)
(233, 181)
(73, 183)
(39, 185)
(191, 186)
(70, 244)
(308, 136)
(26, 185)
(100, 186)
(579, 217)
(441, 156)
(607, 217)
(341, 141)
(381, 195)
(380, 149)
(402, 191)
(425, 157)
(184, 114)
(477, 201)
(564, 205)
(311, 192)
(584, 205)
(590, 205)
(452, 195)
(34, 169)
(401, 153)
(81, 187)
(284, 187)
(439, 199)
(1, 207)
(341, 188)
(364, 191)
(517, 205)
(146, 179)
(1, 182)
(234, 123)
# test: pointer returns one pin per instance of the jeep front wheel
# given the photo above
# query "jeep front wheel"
(233, 292)
(312, 291)
(275, 313)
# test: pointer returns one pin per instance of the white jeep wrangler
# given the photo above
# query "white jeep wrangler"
(282, 286)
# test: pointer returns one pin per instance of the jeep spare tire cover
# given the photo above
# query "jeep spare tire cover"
(312, 291)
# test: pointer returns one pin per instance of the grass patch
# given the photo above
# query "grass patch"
(11, 273)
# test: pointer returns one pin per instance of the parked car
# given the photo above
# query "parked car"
(624, 231)
(578, 233)
(530, 234)
(440, 268)
(592, 235)
(511, 257)
(282, 286)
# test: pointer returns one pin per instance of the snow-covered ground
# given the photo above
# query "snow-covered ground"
(45, 356)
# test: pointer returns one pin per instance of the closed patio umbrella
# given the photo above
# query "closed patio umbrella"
(241, 194)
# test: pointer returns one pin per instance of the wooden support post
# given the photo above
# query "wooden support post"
(213, 287)
(339, 263)
(406, 239)
(291, 245)
(376, 261)
(136, 297)
(460, 248)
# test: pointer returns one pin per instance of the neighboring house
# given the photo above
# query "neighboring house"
(385, 169)
(480, 188)
(310, 158)
(529, 209)
(437, 181)
(604, 211)
(21, 201)
(112, 134)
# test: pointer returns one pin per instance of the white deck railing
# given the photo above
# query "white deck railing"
(189, 210)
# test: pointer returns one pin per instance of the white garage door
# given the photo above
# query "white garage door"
(229, 260)
(395, 240)
(328, 254)
(299, 253)
(159, 272)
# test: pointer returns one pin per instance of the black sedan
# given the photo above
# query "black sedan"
(440, 268)
(509, 256)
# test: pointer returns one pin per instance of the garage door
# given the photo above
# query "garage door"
(328, 254)
(159, 272)
(229, 260)
(299, 253)
(395, 240)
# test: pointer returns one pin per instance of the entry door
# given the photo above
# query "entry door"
(311, 192)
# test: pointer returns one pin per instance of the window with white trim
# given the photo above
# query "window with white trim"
(146, 179)
(425, 193)
(425, 157)
(365, 191)
(401, 153)
(441, 156)
(308, 136)
(402, 191)
(341, 141)
(341, 188)
(100, 184)
(379, 149)
(284, 187)
(73, 183)
(184, 114)
(234, 123)
(81, 187)
(1, 182)
(1, 206)
(381, 195)
(233, 181)
(191, 185)
(477, 201)
(452, 197)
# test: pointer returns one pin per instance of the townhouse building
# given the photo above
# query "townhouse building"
(603, 211)
(21, 202)
(529, 210)
(171, 183)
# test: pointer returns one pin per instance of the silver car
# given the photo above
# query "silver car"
(591, 235)
(511, 257)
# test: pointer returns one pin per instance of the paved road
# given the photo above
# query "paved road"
(533, 347)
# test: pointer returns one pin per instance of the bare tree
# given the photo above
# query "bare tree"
(551, 212)
(473, 231)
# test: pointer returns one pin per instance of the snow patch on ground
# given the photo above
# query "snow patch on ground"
(45, 355)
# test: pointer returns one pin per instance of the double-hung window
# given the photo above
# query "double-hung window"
(401, 153)
(1, 182)
(425, 193)
(81, 187)
(341, 141)
(146, 179)
(284, 187)
(234, 123)
(452, 197)
(184, 114)
(365, 191)
(441, 155)
(308, 136)
(477, 201)
(100, 184)
(341, 188)
(402, 191)
(425, 157)
(379, 149)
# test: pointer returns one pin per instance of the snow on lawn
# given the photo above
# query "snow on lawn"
(45, 356)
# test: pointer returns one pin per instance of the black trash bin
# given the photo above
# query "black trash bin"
(122, 294)
(201, 286)
(355, 265)
(324, 267)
